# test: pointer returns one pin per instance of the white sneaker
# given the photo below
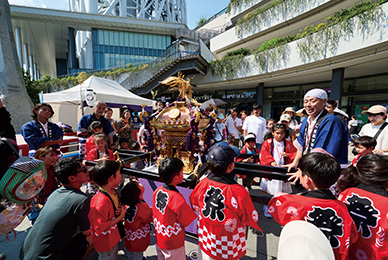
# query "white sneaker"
(266, 214)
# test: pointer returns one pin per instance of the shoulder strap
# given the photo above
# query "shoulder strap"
(113, 203)
(380, 130)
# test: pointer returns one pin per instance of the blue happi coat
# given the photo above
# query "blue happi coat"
(331, 135)
(34, 137)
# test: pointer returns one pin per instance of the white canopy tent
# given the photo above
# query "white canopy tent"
(67, 103)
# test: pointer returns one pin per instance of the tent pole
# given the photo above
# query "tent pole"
(82, 103)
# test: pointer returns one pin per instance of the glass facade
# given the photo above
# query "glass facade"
(118, 49)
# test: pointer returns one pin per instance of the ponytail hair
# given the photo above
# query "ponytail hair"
(349, 179)
(371, 169)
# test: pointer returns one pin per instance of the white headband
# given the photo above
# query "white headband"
(316, 92)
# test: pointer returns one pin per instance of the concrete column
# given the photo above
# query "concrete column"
(260, 94)
(19, 51)
(26, 60)
(72, 59)
(88, 54)
(337, 82)
(35, 72)
(31, 65)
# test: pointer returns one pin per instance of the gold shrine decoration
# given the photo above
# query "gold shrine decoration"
(184, 87)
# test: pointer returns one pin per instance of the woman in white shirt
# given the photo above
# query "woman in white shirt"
(377, 115)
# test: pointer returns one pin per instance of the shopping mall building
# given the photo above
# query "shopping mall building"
(348, 57)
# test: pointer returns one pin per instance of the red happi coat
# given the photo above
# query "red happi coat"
(93, 155)
(244, 150)
(137, 227)
(266, 156)
(225, 208)
(356, 159)
(322, 209)
(368, 206)
(171, 215)
(89, 144)
(101, 213)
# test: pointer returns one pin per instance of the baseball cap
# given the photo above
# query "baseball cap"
(220, 116)
(222, 153)
(250, 137)
(285, 117)
(377, 109)
(302, 240)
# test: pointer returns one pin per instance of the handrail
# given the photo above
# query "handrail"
(178, 50)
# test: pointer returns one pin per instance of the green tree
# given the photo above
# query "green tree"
(32, 87)
(202, 21)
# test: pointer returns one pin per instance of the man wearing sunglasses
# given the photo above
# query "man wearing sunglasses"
(62, 228)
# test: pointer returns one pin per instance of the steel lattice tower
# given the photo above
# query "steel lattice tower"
(160, 10)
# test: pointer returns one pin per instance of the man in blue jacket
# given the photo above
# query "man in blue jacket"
(321, 130)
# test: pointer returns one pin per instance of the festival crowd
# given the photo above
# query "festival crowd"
(81, 208)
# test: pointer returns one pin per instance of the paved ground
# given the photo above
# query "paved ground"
(264, 248)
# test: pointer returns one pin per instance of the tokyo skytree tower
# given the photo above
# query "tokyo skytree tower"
(160, 10)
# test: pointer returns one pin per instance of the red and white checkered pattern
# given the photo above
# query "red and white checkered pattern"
(219, 246)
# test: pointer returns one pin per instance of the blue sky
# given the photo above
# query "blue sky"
(196, 9)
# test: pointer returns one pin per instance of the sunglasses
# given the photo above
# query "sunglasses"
(84, 170)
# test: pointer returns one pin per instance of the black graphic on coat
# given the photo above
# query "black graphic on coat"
(363, 214)
(214, 204)
(328, 222)
(131, 213)
(161, 201)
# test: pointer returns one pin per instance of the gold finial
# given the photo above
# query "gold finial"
(184, 86)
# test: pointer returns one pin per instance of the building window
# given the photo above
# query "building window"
(118, 49)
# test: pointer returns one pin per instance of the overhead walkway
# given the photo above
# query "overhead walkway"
(185, 55)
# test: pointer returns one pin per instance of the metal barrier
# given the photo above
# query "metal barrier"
(247, 169)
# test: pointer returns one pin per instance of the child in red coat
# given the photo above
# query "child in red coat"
(106, 213)
(364, 190)
(100, 152)
(171, 212)
(137, 220)
(249, 148)
(225, 208)
(317, 173)
(364, 145)
(277, 151)
(96, 127)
